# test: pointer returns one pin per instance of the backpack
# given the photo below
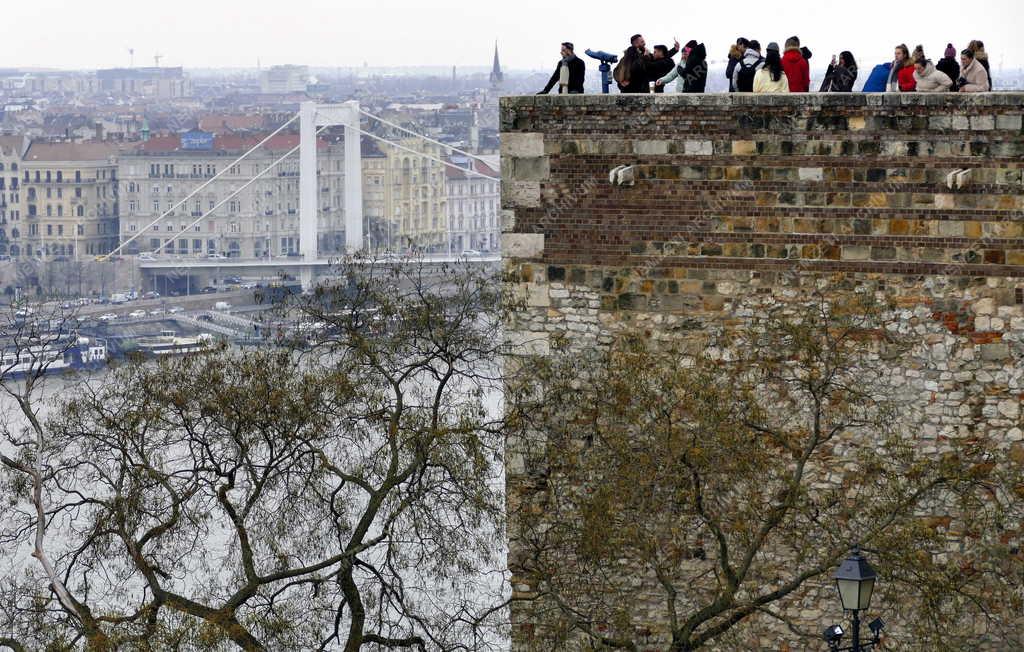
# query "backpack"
(619, 73)
(745, 77)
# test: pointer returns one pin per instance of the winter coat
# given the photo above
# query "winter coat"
(878, 79)
(839, 79)
(763, 82)
(982, 58)
(577, 71)
(932, 81)
(658, 68)
(750, 58)
(976, 77)
(695, 72)
(735, 54)
(642, 72)
(901, 80)
(797, 70)
(951, 67)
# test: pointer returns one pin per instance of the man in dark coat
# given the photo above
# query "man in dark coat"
(637, 63)
(569, 73)
(661, 64)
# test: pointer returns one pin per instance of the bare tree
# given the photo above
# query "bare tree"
(342, 496)
(685, 490)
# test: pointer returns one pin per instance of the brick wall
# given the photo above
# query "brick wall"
(736, 197)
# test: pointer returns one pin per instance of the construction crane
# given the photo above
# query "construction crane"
(131, 57)
(156, 59)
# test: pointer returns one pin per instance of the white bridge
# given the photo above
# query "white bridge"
(313, 119)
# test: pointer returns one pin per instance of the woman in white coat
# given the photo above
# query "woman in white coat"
(930, 79)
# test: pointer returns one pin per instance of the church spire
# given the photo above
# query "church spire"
(496, 75)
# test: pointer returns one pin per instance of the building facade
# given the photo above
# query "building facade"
(68, 201)
(12, 156)
(473, 205)
(261, 220)
(152, 82)
(405, 197)
(281, 80)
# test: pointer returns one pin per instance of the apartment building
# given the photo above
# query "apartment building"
(473, 205)
(261, 220)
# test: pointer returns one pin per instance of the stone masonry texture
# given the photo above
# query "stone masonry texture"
(738, 197)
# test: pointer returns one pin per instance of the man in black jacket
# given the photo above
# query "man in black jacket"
(569, 73)
(661, 64)
(642, 65)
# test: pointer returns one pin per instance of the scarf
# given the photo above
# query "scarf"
(563, 72)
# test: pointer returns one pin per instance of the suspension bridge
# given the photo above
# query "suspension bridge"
(313, 118)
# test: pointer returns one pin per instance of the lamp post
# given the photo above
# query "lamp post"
(855, 582)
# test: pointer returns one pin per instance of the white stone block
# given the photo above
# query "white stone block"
(522, 245)
(811, 174)
(699, 148)
(522, 144)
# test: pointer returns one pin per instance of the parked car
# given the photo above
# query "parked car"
(209, 289)
(222, 305)
(151, 295)
(470, 253)
(156, 311)
(137, 314)
(215, 255)
(108, 317)
(205, 317)
(232, 280)
(146, 256)
(173, 310)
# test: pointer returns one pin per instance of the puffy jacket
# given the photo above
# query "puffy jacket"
(735, 54)
(797, 70)
(877, 80)
(932, 81)
(901, 80)
(763, 82)
(976, 76)
(750, 58)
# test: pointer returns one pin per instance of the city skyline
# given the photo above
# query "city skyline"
(318, 33)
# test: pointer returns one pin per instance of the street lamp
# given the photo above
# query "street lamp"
(855, 581)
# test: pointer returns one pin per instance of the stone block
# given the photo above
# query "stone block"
(524, 194)
(699, 148)
(856, 123)
(536, 168)
(1009, 122)
(744, 147)
(650, 147)
(961, 123)
(522, 245)
(811, 174)
(940, 122)
(528, 343)
(508, 220)
(856, 252)
(522, 144)
(983, 122)
(995, 351)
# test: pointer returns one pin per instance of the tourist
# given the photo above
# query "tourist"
(978, 48)
(841, 74)
(918, 54)
(691, 75)
(745, 71)
(901, 75)
(797, 70)
(949, 65)
(929, 79)
(735, 55)
(771, 78)
(633, 74)
(661, 64)
(973, 76)
(569, 73)
(878, 80)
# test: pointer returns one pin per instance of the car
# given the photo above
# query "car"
(151, 295)
(156, 311)
(146, 256)
(470, 252)
(137, 314)
(214, 255)
(250, 286)
(209, 289)
(108, 317)
(205, 317)
(173, 310)
(232, 280)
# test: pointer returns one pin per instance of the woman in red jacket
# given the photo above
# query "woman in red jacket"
(901, 76)
(797, 70)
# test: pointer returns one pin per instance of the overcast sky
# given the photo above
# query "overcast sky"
(235, 33)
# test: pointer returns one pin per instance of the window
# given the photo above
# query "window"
(78, 193)
(48, 179)
(49, 229)
(131, 227)
(60, 229)
(49, 210)
(80, 211)
(60, 211)
(60, 193)
(156, 205)
(81, 229)
(60, 177)
(78, 176)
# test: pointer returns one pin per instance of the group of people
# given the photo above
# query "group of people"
(778, 70)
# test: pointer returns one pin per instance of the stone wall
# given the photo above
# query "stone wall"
(734, 198)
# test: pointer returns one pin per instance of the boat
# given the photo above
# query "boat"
(51, 355)
(170, 343)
